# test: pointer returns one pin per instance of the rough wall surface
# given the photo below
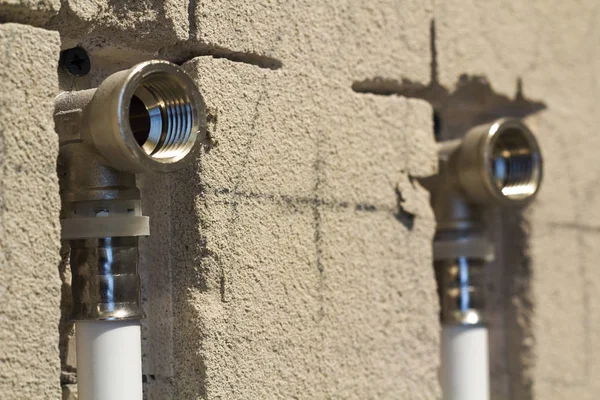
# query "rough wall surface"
(298, 241)
(122, 29)
(338, 41)
(294, 259)
(29, 208)
(301, 269)
(33, 12)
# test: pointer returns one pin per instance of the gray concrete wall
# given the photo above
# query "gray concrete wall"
(293, 260)
(29, 208)
(273, 281)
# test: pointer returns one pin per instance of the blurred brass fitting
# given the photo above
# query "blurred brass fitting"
(149, 118)
(497, 164)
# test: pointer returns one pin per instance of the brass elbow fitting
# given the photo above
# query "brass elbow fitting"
(149, 118)
(496, 164)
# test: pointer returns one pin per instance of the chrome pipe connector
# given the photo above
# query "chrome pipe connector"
(497, 164)
(149, 118)
(146, 119)
(460, 289)
(106, 279)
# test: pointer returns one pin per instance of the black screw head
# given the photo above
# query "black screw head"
(76, 61)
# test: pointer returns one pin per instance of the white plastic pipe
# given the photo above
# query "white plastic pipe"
(109, 360)
(465, 362)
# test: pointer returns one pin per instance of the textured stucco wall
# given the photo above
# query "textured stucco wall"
(304, 280)
(299, 270)
(294, 259)
(29, 207)
(305, 271)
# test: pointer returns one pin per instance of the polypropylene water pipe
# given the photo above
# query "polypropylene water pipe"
(464, 372)
(109, 360)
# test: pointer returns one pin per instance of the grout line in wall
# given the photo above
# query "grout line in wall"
(183, 52)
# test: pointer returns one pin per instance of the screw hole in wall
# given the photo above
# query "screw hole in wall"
(437, 125)
(76, 61)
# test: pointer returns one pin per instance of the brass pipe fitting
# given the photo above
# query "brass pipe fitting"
(149, 118)
(497, 164)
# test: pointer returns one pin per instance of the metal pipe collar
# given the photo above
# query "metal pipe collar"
(147, 118)
(499, 163)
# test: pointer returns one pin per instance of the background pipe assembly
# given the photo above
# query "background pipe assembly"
(492, 165)
(149, 118)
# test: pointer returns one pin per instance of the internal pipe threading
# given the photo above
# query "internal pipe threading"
(520, 171)
(176, 114)
(516, 164)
